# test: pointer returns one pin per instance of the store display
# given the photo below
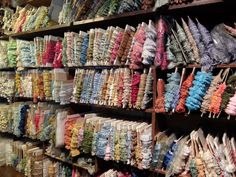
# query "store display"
(102, 87)
(94, 93)
(193, 154)
(24, 19)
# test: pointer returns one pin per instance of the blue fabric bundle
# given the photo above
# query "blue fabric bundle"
(83, 54)
(201, 83)
(169, 155)
(196, 35)
(225, 45)
(172, 90)
(23, 114)
(96, 87)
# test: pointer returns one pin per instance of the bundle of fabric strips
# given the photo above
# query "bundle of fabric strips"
(115, 87)
(81, 10)
(24, 19)
(193, 43)
(110, 139)
(194, 154)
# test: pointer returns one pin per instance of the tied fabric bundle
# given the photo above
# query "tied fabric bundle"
(229, 91)
(224, 44)
(191, 41)
(134, 88)
(187, 84)
(207, 59)
(137, 47)
(196, 35)
(149, 48)
(185, 43)
(216, 98)
(172, 89)
(160, 101)
(161, 55)
(57, 62)
(49, 50)
(213, 87)
(201, 83)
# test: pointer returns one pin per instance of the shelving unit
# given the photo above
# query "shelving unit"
(132, 18)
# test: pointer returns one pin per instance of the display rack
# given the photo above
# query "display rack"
(134, 18)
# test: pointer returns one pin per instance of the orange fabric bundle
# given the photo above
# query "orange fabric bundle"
(184, 93)
(160, 101)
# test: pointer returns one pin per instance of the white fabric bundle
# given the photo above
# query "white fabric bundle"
(60, 130)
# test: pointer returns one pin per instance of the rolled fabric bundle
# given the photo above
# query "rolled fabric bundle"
(83, 54)
(141, 89)
(121, 88)
(116, 47)
(172, 60)
(207, 59)
(213, 87)
(161, 56)
(78, 41)
(104, 9)
(196, 35)
(49, 52)
(174, 52)
(148, 92)
(216, 99)
(25, 53)
(90, 47)
(57, 62)
(38, 44)
(129, 6)
(171, 90)
(160, 101)
(231, 106)
(134, 88)
(187, 84)
(96, 87)
(111, 44)
(115, 93)
(126, 44)
(113, 7)
(3, 54)
(224, 44)
(185, 43)
(201, 83)
(229, 91)
(98, 40)
(95, 7)
(11, 53)
(127, 88)
(137, 47)
(149, 47)
(191, 41)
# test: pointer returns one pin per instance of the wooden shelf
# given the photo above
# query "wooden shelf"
(194, 4)
(163, 172)
(8, 171)
(57, 30)
(131, 18)
(67, 162)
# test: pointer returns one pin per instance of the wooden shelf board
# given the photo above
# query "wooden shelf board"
(64, 161)
(194, 4)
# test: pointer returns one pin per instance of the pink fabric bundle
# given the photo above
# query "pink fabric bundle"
(137, 48)
(121, 89)
(231, 107)
(49, 53)
(135, 88)
(116, 47)
(161, 55)
(57, 62)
